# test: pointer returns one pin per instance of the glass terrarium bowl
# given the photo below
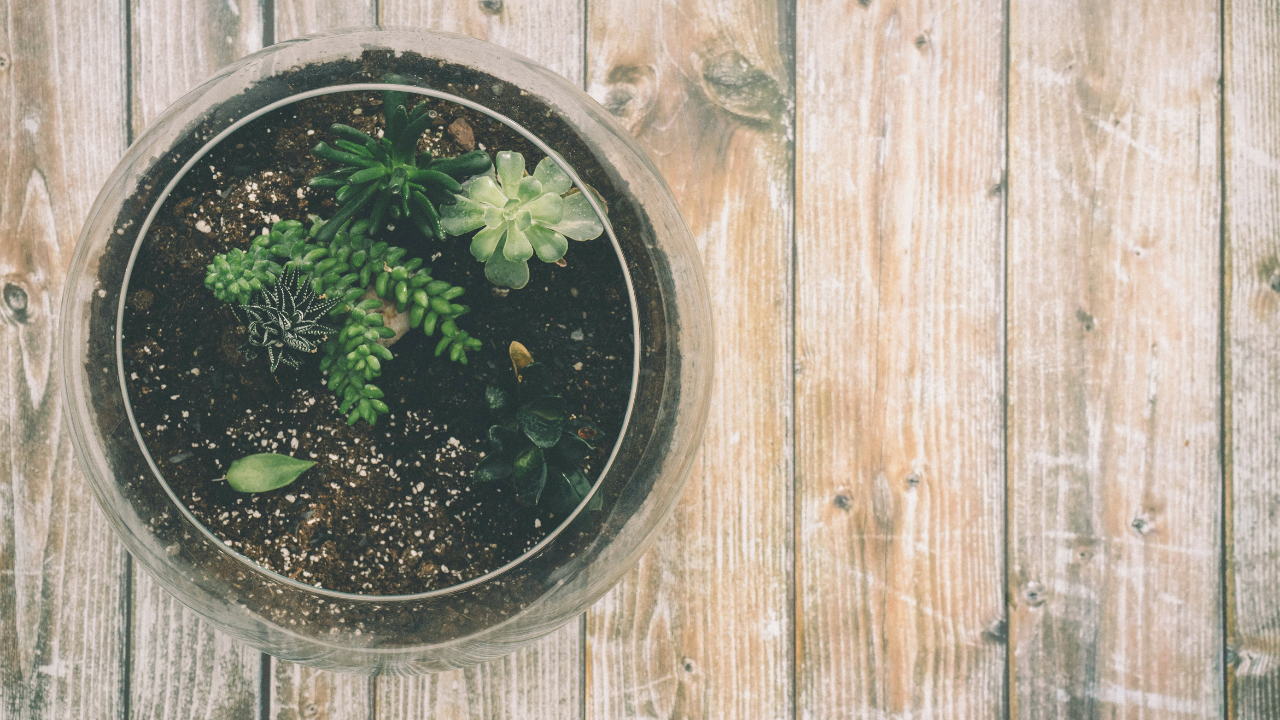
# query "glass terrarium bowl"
(486, 616)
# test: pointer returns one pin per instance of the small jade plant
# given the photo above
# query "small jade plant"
(388, 175)
(518, 215)
(539, 446)
(265, 471)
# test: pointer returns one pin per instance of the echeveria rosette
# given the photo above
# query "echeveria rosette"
(518, 215)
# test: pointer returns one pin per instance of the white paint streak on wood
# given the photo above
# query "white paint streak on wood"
(1113, 338)
(61, 130)
(701, 628)
(1253, 329)
(899, 312)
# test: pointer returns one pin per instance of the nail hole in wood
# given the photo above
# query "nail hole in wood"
(493, 7)
(842, 501)
(688, 665)
(4, 62)
(1034, 594)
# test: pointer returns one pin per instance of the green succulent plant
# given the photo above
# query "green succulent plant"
(388, 175)
(285, 320)
(358, 276)
(539, 446)
(236, 275)
(518, 215)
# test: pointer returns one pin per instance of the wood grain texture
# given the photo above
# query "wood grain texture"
(185, 670)
(701, 629)
(1114, 381)
(62, 127)
(177, 44)
(900, 360)
(544, 679)
(181, 667)
(540, 681)
(1253, 226)
(302, 693)
(295, 18)
(547, 31)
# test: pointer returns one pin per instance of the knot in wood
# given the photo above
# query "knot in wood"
(733, 83)
(16, 300)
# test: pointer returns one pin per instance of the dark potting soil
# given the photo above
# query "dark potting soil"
(390, 509)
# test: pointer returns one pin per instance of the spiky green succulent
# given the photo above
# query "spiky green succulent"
(284, 320)
(387, 177)
(539, 447)
(518, 215)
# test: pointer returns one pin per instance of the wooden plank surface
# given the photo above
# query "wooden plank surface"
(899, 363)
(183, 669)
(1114, 384)
(702, 628)
(550, 32)
(544, 679)
(1253, 315)
(62, 129)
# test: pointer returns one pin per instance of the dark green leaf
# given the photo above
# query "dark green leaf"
(535, 381)
(569, 452)
(529, 475)
(265, 471)
(542, 419)
(463, 166)
(578, 483)
(493, 467)
(504, 439)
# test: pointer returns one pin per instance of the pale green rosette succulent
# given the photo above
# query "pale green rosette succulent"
(519, 215)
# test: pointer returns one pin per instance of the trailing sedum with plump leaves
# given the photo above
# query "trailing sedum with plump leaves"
(389, 176)
(368, 282)
(518, 215)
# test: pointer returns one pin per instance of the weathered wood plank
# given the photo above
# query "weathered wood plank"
(295, 18)
(302, 693)
(1114, 382)
(548, 31)
(540, 681)
(181, 667)
(899, 349)
(544, 679)
(62, 128)
(1253, 226)
(177, 45)
(702, 629)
